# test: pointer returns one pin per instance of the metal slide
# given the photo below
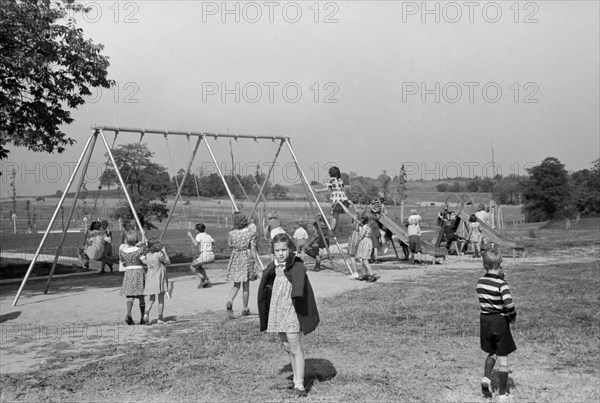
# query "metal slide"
(397, 230)
(493, 235)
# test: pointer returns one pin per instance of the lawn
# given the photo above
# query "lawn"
(388, 342)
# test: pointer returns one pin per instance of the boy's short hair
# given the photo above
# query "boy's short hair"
(492, 259)
(154, 244)
(200, 227)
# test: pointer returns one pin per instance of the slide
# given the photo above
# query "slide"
(397, 230)
(493, 235)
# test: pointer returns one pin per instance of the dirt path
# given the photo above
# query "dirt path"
(85, 311)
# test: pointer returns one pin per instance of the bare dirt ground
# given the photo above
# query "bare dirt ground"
(80, 312)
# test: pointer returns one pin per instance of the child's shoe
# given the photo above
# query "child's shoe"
(160, 320)
(146, 319)
(504, 398)
(229, 308)
(486, 387)
(245, 312)
(371, 279)
(298, 392)
(129, 320)
(364, 277)
(205, 283)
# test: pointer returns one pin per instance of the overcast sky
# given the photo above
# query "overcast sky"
(365, 85)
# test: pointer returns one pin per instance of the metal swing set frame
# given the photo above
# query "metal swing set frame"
(84, 161)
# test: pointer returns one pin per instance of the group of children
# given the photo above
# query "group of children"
(145, 275)
(286, 302)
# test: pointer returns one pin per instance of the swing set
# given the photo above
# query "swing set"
(98, 132)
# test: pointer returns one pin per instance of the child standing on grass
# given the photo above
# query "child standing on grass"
(287, 306)
(475, 235)
(241, 270)
(365, 247)
(130, 254)
(204, 242)
(317, 242)
(156, 278)
(353, 241)
(497, 312)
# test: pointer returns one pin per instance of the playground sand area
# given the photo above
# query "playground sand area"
(73, 344)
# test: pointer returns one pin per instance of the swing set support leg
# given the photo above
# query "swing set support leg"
(75, 198)
(60, 203)
(308, 190)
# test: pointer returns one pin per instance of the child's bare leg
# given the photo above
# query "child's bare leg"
(291, 343)
(142, 300)
(245, 294)
(234, 291)
(161, 305)
(367, 266)
(150, 304)
(129, 305)
(334, 220)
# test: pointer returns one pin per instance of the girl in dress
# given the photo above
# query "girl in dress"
(130, 254)
(335, 184)
(156, 278)
(365, 247)
(287, 305)
(241, 264)
(475, 235)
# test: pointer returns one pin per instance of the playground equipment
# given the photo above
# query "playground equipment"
(466, 207)
(98, 132)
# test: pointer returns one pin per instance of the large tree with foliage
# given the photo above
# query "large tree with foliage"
(586, 190)
(47, 68)
(546, 193)
(148, 184)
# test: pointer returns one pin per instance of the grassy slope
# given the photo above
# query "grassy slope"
(388, 342)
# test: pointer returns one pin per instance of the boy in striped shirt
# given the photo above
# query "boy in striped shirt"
(497, 312)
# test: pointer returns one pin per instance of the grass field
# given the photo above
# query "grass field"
(412, 340)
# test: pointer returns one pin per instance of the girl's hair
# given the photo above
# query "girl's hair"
(272, 215)
(364, 220)
(282, 237)
(473, 218)
(131, 238)
(154, 244)
(335, 172)
(414, 211)
(200, 227)
(104, 224)
(95, 225)
(240, 221)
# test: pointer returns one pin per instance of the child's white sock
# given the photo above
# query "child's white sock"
(299, 383)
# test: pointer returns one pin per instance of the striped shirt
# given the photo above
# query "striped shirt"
(494, 296)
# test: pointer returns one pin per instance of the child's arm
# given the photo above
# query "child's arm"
(507, 301)
(192, 238)
(164, 257)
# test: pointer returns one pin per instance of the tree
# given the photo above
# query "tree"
(401, 180)
(47, 67)
(109, 177)
(384, 181)
(279, 191)
(586, 190)
(148, 184)
(546, 193)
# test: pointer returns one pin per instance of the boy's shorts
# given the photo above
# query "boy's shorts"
(495, 334)
(312, 251)
(204, 258)
(414, 243)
